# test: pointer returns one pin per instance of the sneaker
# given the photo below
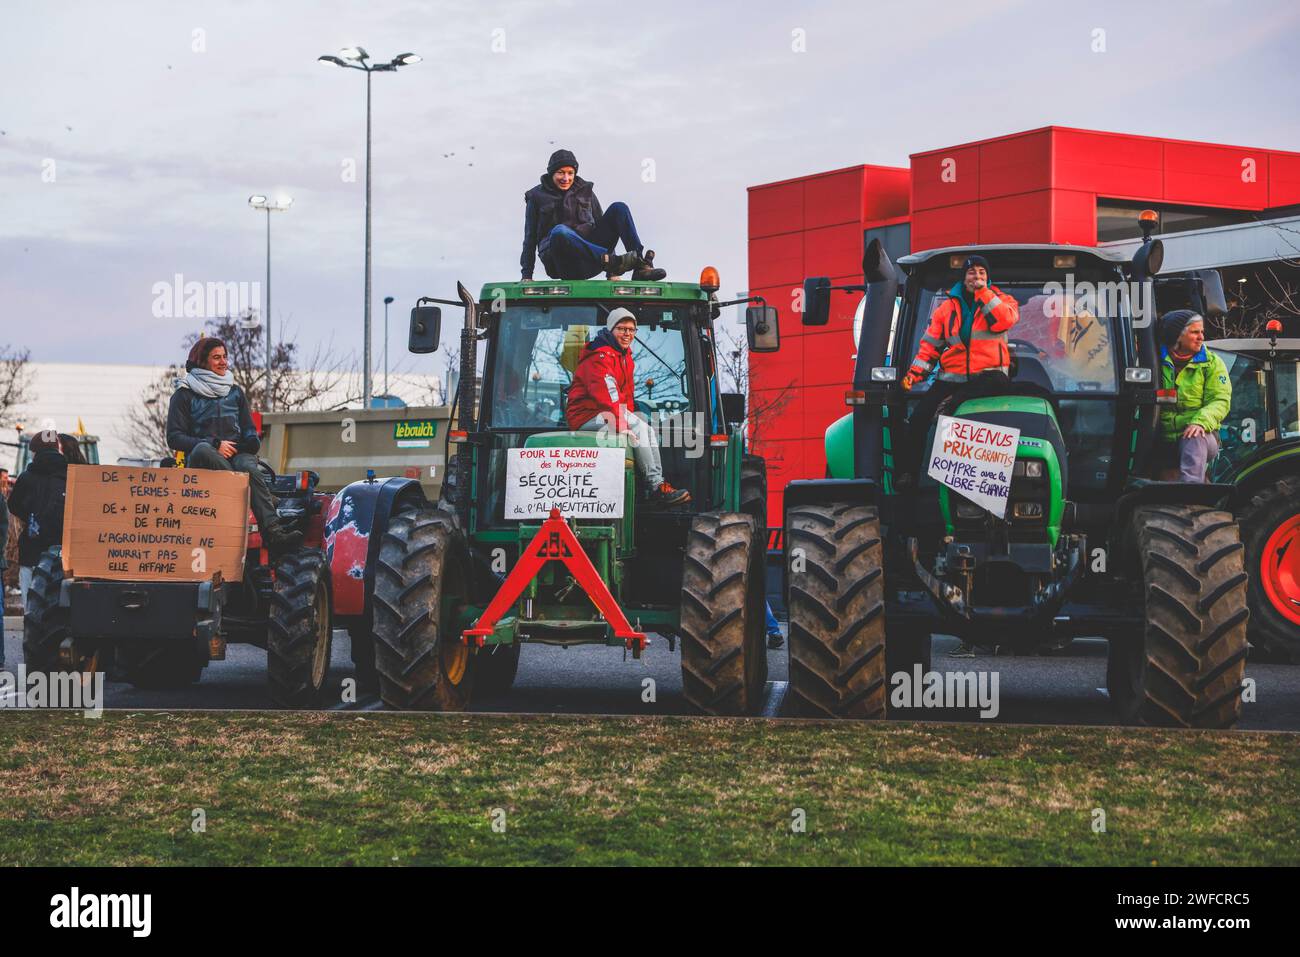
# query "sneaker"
(963, 650)
(646, 271)
(775, 639)
(665, 495)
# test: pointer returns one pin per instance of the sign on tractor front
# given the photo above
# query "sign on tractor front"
(975, 460)
(580, 482)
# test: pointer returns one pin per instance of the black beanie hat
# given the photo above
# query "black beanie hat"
(975, 261)
(1173, 323)
(561, 158)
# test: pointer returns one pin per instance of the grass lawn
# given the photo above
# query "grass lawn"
(380, 788)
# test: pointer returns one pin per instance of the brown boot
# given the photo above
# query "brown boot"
(646, 272)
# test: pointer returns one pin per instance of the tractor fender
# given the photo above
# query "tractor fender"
(1276, 460)
(355, 523)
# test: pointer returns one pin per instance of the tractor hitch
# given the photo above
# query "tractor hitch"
(555, 541)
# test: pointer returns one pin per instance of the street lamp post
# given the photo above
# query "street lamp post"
(356, 58)
(387, 301)
(280, 205)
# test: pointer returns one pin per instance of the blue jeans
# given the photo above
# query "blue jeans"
(567, 255)
(773, 626)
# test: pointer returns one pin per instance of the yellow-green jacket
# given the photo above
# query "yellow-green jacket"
(1204, 394)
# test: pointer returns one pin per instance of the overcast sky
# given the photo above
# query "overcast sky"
(133, 133)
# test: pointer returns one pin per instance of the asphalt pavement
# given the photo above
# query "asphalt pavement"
(1065, 688)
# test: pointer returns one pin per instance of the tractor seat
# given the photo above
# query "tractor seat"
(581, 440)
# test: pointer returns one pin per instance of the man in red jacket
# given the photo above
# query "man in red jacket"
(600, 399)
(967, 336)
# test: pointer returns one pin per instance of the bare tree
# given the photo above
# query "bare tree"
(15, 382)
(145, 431)
(291, 388)
(733, 363)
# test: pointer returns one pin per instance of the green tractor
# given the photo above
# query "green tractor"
(1087, 546)
(1260, 457)
(460, 586)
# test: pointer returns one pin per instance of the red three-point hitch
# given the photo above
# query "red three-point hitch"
(554, 542)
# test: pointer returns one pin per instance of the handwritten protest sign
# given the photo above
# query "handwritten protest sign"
(580, 482)
(975, 460)
(130, 524)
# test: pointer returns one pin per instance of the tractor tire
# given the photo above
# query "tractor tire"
(45, 624)
(1185, 670)
(159, 666)
(1270, 531)
(837, 611)
(753, 491)
(362, 649)
(495, 667)
(724, 647)
(420, 587)
(299, 632)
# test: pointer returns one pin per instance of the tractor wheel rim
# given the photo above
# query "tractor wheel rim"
(1279, 568)
(320, 659)
(452, 651)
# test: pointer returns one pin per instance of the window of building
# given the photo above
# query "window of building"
(1117, 221)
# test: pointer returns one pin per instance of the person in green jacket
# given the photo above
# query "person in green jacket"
(1189, 428)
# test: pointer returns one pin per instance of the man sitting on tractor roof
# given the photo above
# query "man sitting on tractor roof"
(565, 226)
(968, 336)
(600, 399)
(1199, 379)
(208, 420)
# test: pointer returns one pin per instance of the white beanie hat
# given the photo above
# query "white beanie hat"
(618, 315)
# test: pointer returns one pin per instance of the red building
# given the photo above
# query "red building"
(1052, 185)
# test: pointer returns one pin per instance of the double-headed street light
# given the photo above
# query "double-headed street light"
(356, 58)
(280, 204)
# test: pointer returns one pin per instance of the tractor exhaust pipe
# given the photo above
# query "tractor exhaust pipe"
(881, 279)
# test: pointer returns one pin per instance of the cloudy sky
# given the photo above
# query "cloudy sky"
(133, 132)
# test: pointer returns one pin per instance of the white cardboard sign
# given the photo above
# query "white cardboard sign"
(975, 459)
(580, 482)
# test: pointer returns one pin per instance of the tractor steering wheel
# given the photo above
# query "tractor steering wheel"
(267, 472)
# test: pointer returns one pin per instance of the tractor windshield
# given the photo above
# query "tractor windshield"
(537, 349)
(1064, 340)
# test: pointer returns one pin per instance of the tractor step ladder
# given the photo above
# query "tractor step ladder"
(555, 542)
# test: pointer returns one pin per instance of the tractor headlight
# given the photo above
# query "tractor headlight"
(1027, 510)
(1028, 468)
(969, 510)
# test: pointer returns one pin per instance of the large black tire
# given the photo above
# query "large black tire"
(299, 632)
(835, 570)
(753, 491)
(45, 624)
(420, 586)
(724, 651)
(1275, 637)
(495, 668)
(1186, 669)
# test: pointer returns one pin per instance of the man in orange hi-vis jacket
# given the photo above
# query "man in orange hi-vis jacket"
(967, 336)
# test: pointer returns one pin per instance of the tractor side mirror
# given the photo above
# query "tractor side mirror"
(733, 408)
(426, 324)
(1148, 259)
(1213, 299)
(762, 329)
(816, 301)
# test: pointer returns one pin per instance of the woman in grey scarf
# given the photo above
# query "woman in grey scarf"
(208, 420)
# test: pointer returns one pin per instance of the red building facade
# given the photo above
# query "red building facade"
(1051, 185)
